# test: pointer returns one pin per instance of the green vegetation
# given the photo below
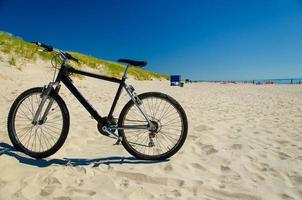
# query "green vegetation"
(17, 48)
(12, 61)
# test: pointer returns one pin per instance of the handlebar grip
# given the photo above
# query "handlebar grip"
(36, 43)
(45, 46)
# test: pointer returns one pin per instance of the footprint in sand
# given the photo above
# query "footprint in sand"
(268, 131)
(238, 130)
(2, 183)
(209, 149)
(18, 195)
(202, 128)
(264, 167)
(168, 167)
(226, 162)
(273, 172)
(282, 142)
(285, 196)
(193, 137)
(79, 182)
(62, 198)
(170, 194)
(297, 180)
(234, 195)
(228, 174)
(140, 193)
(176, 193)
(124, 183)
(283, 156)
(14, 92)
(262, 155)
(51, 181)
(81, 170)
(150, 179)
(224, 168)
(236, 146)
(51, 184)
(71, 190)
(233, 136)
(198, 166)
(47, 190)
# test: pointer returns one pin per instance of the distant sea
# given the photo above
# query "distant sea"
(262, 81)
(275, 81)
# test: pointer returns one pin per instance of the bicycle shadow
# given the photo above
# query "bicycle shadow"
(6, 149)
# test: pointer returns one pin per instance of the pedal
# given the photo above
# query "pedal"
(118, 142)
(112, 135)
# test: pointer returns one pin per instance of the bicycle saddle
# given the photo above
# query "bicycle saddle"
(133, 62)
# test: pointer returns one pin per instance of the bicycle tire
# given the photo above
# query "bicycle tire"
(164, 155)
(12, 129)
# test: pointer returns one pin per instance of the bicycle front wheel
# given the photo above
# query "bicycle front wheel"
(45, 137)
(171, 127)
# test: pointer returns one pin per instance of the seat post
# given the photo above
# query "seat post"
(126, 72)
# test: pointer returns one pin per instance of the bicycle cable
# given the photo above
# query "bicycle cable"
(55, 62)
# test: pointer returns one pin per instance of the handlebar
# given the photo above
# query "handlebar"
(49, 48)
(46, 47)
(70, 57)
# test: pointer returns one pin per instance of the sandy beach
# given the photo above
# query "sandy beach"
(244, 142)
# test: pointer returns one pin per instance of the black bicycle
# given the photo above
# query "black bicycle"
(151, 125)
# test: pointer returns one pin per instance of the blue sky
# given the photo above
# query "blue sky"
(201, 40)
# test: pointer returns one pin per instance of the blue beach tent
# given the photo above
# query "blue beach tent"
(175, 80)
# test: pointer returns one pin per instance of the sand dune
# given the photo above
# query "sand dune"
(244, 142)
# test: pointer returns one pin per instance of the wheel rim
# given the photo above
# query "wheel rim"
(39, 137)
(165, 138)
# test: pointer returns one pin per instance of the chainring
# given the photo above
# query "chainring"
(112, 121)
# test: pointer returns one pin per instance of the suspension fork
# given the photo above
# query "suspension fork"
(49, 105)
(45, 93)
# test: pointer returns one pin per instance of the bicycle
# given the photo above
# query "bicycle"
(151, 126)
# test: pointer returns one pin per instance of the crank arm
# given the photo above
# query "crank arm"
(112, 135)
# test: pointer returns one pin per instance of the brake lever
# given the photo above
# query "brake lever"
(42, 50)
(77, 61)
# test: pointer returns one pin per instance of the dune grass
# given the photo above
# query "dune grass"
(16, 48)
(12, 61)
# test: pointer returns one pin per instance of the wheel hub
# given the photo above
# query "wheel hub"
(156, 128)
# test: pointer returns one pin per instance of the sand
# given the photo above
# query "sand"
(244, 142)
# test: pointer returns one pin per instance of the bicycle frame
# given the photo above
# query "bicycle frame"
(63, 76)
(68, 83)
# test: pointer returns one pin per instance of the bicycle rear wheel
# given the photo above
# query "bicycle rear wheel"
(171, 127)
(41, 139)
